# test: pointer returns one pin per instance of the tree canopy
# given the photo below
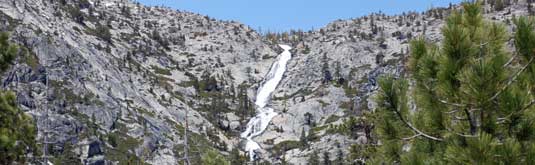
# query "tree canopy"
(470, 100)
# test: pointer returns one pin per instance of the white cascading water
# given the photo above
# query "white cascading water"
(259, 123)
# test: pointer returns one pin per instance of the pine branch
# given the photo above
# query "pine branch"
(462, 135)
(415, 129)
(446, 102)
(419, 133)
(459, 118)
(503, 119)
(452, 112)
(453, 104)
(412, 137)
(510, 60)
(469, 136)
(511, 80)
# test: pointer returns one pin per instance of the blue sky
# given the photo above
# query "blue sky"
(283, 15)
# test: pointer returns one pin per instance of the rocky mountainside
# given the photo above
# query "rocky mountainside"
(332, 78)
(111, 81)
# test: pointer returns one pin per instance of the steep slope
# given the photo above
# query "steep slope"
(331, 80)
(119, 72)
(111, 80)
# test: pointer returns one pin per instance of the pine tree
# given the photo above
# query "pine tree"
(313, 158)
(303, 138)
(8, 51)
(309, 119)
(327, 77)
(499, 5)
(68, 156)
(103, 32)
(339, 157)
(471, 102)
(326, 158)
(236, 157)
(283, 160)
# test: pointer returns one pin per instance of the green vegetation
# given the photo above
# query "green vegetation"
(347, 105)
(313, 158)
(67, 156)
(236, 158)
(349, 127)
(70, 97)
(359, 151)
(161, 71)
(317, 129)
(102, 32)
(200, 147)
(8, 51)
(301, 92)
(473, 99)
(31, 60)
(326, 158)
(287, 145)
(214, 158)
(215, 100)
(349, 91)
(17, 130)
(323, 103)
(158, 38)
(498, 5)
(75, 13)
(146, 112)
(306, 50)
(327, 76)
(123, 146)
(332, 118)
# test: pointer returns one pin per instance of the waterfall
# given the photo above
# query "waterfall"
(259, 123)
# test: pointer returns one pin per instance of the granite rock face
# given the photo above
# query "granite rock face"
(112, 80)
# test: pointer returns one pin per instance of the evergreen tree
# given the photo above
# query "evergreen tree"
(327, 77)
(244, 105)
(339, 157)
(530, 7)
(67, 156)
(309, 119)
(283, 160)
(303, 138)
(326, 158)
(472, 99)
(8, 51)
(236, 157)
(103, 32)
(17, 131)
(499, 5)
(313, 158)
